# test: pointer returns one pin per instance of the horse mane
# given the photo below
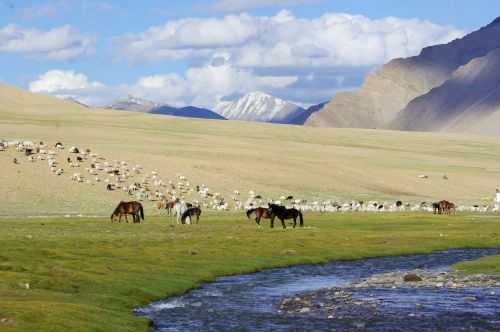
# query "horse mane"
(118, 208)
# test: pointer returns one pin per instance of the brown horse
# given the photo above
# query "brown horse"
(169, 206)
(283, 213)
(447, 207)
(259, 213)
(191, 212)
(124, 208)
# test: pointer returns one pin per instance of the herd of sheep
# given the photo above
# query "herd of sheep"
(84, 166)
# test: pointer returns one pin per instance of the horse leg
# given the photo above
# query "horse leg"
(294, 222)
(283, 223)
(272, 222)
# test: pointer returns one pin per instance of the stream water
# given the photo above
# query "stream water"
(250, 302)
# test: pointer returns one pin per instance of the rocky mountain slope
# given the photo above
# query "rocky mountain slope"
(300, 116)
(465, 102)
(389, 90)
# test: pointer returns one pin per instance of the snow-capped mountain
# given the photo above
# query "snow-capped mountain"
(133, 104)
(257, 106)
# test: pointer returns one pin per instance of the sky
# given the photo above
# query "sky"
(203, 52)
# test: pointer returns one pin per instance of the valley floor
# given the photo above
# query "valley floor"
(59, 274)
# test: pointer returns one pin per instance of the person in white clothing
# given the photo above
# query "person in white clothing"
(497, 197)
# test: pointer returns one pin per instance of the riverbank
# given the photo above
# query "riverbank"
(60, 274)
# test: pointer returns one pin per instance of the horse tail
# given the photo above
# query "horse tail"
(301, 219)
(141, 210)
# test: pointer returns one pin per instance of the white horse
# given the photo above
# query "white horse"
(179, 208)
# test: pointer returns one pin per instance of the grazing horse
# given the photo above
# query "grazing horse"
(259, 213)
(124, 208)
(189, 213)
(283, 213)
(447, 207)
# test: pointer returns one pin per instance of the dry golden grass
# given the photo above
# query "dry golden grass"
(311, 163)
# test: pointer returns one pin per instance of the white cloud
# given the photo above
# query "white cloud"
(284, 40)
(243, 5)
(69, 84)
(200, 86)
(305, 60)
(56, 80)
(62, 43)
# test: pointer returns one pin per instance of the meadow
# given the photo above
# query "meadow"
(87, 274)
(272, 160)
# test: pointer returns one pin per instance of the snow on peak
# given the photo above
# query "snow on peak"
(256, 106)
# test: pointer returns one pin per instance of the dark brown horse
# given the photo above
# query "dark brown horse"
(125, 208)
(283, 214)
(259, 213)
(190, 213)
(436, 208)
(447, 207)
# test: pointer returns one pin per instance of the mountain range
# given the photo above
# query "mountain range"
(449, 87)
(259, 106)
(135, 104)
(254, 106)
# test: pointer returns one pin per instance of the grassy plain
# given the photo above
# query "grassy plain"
(273, 160)
(86, 274)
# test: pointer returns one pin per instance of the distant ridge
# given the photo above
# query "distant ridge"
(300, 116)
(135, 104)
(187, 112)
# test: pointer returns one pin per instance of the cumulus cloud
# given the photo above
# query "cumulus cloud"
(335, 49)
(243, 5)
(285, 40)
(69, 84)
(299, 59)
(201, 86)
(62, 43)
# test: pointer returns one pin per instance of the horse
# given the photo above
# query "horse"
(259, 213)
(124, 208)
(169, 206)
(180, 207)
(436, 208)
(447, 207)
(283, 213)
(189, 213)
